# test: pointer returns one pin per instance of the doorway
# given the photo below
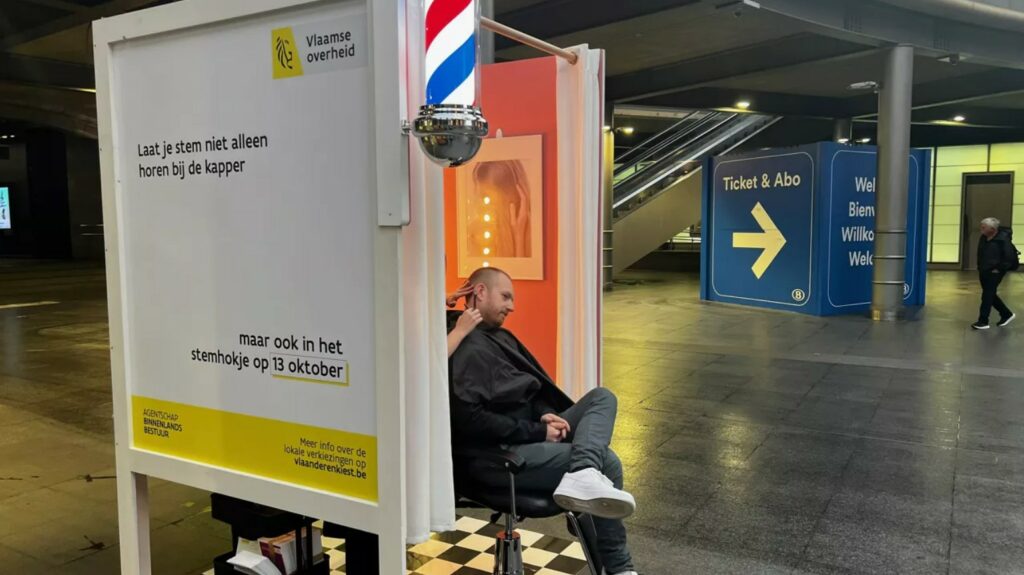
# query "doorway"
(987, 195)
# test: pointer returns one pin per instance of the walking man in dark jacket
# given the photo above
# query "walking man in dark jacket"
(502, 398)
(995, 257)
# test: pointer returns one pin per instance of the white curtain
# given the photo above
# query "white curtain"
(430, 491)
(429, 483)
(580, 121)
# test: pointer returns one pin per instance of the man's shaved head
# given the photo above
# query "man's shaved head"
(487, 276)
(493, 295)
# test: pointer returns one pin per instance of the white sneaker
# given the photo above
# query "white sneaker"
(589, 491)
(623, 573)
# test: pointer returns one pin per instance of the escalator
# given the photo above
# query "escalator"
(657, 191)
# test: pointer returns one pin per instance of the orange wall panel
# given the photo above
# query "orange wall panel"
(520, 99)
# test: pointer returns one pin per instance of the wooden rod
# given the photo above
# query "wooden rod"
(524, 38)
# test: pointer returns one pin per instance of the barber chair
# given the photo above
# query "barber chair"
(477, 470)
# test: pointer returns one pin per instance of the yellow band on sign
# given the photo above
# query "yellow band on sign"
(327, 459)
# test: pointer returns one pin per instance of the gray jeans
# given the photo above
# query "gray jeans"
(592, 420)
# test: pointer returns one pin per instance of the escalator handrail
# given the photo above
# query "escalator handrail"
(685, 154)
(681, 150)
(670, 141)
(622, 159)
(746, 123)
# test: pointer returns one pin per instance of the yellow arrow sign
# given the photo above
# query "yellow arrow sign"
(770, 240)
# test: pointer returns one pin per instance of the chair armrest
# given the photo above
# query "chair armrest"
(496, 457)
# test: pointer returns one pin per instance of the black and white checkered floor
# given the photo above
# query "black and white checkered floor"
(469, 550)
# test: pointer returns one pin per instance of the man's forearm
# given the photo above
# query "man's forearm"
(455, 338)
(488, 426)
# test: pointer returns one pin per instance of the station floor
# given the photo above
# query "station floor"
(755, 441)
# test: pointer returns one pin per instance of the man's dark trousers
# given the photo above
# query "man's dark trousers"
(989, 298)
(592, 420)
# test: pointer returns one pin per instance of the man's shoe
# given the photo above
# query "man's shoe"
(1006, 320)
(589, 491)
(623, 573)
(979, 325)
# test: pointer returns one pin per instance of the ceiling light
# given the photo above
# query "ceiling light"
(627, 130)
(843, 140)
(958, 118)
(743, 104)
(865, 140)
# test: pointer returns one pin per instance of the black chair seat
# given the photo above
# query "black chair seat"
(530, 504)
(480, 480)
(483, 478)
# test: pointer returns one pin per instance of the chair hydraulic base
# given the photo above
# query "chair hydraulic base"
(508, 551)
(508, 554)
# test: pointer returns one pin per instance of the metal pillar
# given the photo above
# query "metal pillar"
(608, 169)
(894, 108)
(843, 130)
(486, 36)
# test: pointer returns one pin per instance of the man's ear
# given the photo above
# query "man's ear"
(478, 290)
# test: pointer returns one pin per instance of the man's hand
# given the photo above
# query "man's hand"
(556, 433)
(553, 418)
(558, 424)
(464, 290)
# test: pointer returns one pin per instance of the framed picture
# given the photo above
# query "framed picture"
(500, 208)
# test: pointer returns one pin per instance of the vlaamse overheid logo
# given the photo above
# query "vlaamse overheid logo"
(287, 63)
(321, 47)
(285, 54)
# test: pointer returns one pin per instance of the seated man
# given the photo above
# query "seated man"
(502, 397)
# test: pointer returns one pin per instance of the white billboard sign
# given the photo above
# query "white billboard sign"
(246, 259)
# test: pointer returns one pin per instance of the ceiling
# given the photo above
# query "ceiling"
(46, 73)
(795, 58)
(788, 57)
(831, 79)
(665, 37)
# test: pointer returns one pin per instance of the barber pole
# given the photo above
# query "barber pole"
(451, 52)
(450, 125)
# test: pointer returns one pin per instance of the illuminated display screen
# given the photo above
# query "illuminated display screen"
(5, 208)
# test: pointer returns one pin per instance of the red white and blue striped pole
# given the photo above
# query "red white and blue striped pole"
(450, 125)
(451, 52)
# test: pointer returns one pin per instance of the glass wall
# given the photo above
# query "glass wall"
(949, 165)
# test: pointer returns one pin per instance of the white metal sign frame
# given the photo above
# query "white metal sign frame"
(390, 184)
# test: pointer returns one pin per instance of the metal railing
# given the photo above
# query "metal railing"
(686, 241)
(677, 153)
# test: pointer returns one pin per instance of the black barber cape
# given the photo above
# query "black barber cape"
(499, 391)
